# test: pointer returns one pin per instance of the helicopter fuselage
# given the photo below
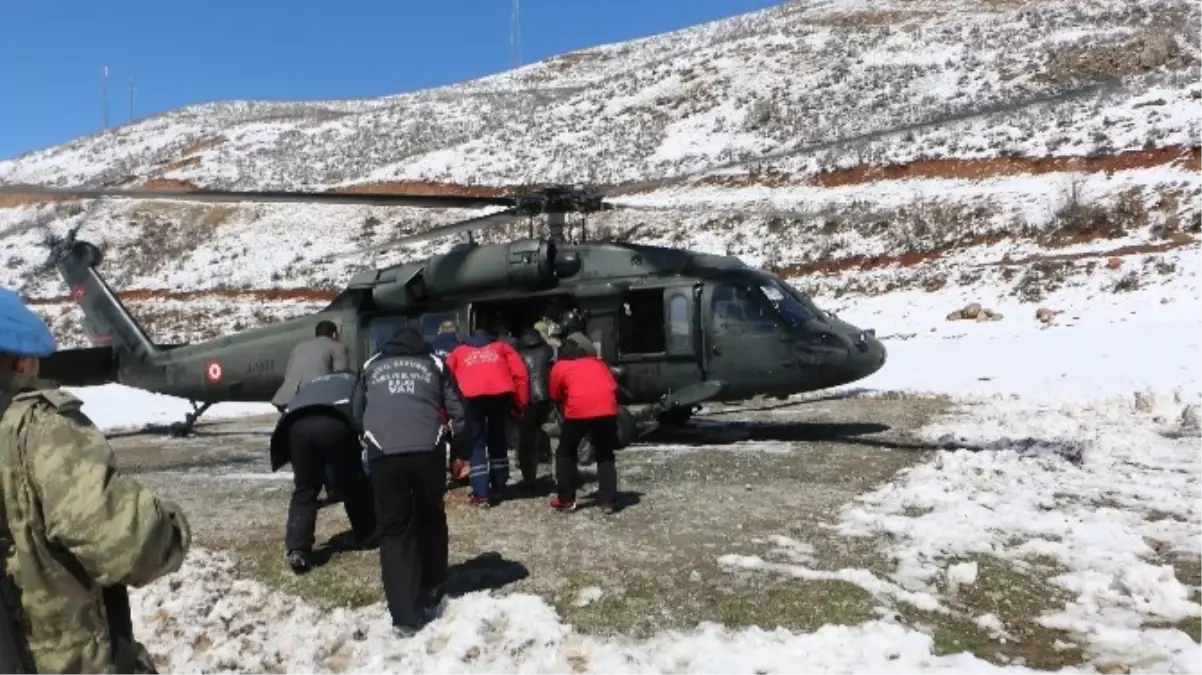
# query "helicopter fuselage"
(665, 318)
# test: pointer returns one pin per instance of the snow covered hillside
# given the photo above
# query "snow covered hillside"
(1005, 149)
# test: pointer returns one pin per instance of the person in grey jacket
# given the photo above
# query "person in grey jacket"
(322, 355)
(402, 402)
(317, 435)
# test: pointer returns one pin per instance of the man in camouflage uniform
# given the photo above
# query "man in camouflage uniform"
(78, 533)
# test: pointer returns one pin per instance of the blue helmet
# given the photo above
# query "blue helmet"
(22, 332)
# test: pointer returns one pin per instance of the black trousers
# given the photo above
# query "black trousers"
(603, 433)
(318, 441)
(412, 528)
(532, 420)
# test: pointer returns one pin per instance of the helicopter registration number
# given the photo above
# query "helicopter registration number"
(261, 367)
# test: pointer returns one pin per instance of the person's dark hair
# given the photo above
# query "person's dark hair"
(326, 329)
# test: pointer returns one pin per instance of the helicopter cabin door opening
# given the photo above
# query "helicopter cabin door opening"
(514, 316)
(658, 334)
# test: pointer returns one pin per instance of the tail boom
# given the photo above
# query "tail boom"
(106, 320)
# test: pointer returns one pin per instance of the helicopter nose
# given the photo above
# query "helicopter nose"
(870, 353)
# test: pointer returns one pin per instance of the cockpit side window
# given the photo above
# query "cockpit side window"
(382, 329)
(793, 306)
(806, 301)
(736, 310)
(429, 324)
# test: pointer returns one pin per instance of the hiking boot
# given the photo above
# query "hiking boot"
(481, 502)
(564, 506)
(432, 597)
(402, 632)
(608, 508)
(432, 602)
(298, 561)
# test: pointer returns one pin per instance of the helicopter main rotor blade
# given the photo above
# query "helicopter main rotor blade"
(276, 196)
(470, 225)
(704, 208)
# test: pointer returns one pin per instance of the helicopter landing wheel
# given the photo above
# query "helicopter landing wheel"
(627, 432)
(183, 429)
(676, 417)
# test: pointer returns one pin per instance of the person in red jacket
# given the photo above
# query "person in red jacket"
(494, 381)
(584, 387)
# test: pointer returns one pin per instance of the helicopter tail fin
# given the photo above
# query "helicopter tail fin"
(106, 321)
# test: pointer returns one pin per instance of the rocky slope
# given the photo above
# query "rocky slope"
(1010, 148)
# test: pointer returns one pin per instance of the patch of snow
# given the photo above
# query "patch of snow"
(587, 596)
(874, 585)
(113, 407)
(1109, 490)
(203, 619)
(962, 574)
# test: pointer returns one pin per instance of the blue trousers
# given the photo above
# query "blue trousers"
(490, 456)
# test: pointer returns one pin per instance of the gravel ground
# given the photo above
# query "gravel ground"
(739, 477)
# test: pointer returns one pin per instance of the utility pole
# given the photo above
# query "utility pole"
(104, 98)
(515, 36)
(132, 96)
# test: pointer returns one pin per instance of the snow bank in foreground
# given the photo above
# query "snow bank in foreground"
(114, 406)
(202, 619)
(1108, 490)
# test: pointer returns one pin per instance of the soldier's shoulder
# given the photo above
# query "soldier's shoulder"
(55, 409)
(55, 421)
(49, 399)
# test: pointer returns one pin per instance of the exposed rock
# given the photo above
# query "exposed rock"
(1044, 315)
(974, 311)
(1144, 401)
(1190, 417)
(1113, 669)
(1114, 263)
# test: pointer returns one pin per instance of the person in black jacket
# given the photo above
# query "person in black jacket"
(404, 397)
(538, 356)
(316, 432)
(446, 340)
(444, 343)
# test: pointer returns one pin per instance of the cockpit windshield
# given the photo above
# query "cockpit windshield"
(794, 306)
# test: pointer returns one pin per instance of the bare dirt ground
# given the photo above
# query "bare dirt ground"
(654, 564)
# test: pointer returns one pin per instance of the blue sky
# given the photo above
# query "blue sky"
(52, 51)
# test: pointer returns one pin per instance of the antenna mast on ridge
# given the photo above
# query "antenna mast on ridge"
(515, 36)
(104, 98)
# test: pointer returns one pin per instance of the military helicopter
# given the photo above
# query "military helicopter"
(678, 327)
